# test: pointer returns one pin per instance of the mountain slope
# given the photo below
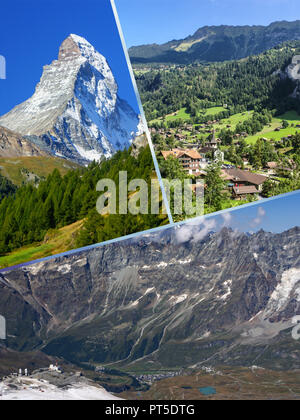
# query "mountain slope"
(33, 169)
(253, 83)
(14, 145)
(76, 112)
(227, 298)
(218, 43)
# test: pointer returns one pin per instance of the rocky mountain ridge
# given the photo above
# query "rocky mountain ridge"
(227, 298)
(218, 43)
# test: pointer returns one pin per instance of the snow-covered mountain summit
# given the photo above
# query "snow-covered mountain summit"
(75, 111)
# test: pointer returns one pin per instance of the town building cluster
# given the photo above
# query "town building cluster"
(241, 183)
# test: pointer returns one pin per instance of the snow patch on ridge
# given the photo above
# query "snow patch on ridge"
(35, 268)
(283, 291)
(64, 269)
(178, 299)
(151, 289)
(183, 262)
(162, 265)
(88, 154)
(227, 288)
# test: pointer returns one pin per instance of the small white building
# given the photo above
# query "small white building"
(55, 368)
(219, 156)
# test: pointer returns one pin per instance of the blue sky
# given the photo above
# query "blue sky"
(31, 32)
(158, 21)
(276, 215)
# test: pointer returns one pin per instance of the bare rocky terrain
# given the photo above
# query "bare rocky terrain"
(14, 145)
(223, 299)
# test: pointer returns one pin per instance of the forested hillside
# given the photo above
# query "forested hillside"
(26, 216)
(6, 187)
(251, 83)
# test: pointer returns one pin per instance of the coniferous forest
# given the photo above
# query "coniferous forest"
(29, 212)
(7, 188)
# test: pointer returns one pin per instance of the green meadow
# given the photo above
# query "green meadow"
(269, 131)
(181, 114)
(55, 242)
(234, 120)
(18, 169)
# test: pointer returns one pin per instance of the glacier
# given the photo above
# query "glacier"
(75, 111)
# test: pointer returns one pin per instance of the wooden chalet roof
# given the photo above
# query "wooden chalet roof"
(238, 175)
(193, 154)
(248, 189)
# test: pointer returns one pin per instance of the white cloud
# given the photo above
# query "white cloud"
(185, 233)
(261, 214)
(227, 217)
(195, 232)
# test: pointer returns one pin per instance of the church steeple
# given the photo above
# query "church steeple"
(214, 135)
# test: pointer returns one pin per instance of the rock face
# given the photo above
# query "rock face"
(75, 111)
(293, 72)
(218, 43)
(138, 144)
(14, 145)
(227, 298)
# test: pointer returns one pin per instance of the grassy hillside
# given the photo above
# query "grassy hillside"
(26, 169)
(183, 115)
(292, 117)
(269, 131)
(56, 241)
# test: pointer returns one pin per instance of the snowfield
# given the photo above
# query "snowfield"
(34, 389)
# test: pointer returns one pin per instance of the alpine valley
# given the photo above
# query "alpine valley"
(160, 307)
(223, 106)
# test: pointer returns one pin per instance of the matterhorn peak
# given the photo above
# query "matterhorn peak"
(69, 48)
(76, 112)
(76, 46)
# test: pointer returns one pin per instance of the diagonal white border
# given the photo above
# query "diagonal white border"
(167, 206)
